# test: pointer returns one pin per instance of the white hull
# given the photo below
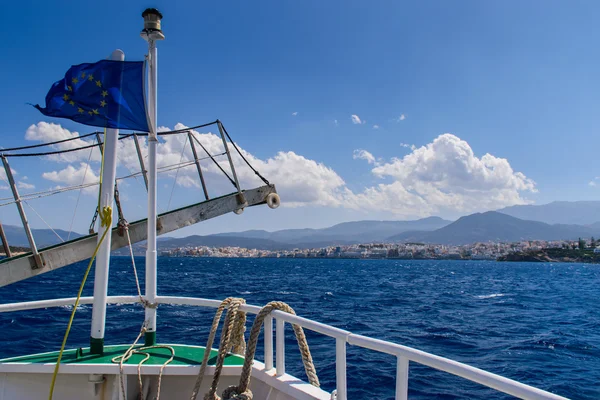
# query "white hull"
(177, 383)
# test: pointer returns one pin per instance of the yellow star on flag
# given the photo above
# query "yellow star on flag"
(65, 97)
(80, 110)
(90, 77)
(74, 80)
(102, 103)
(89, 112)
(70, 88)
(83, 75)
(95, 111)
(72, 103)
(104, 93)
(98, 83)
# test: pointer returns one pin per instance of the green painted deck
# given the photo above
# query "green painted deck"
(184, 355)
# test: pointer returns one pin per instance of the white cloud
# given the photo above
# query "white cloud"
(25, 185)
(335, 122)
(446, 175)
(443, 177)
(4, 187)
(71, 176)
(594, 182)
(355, 119)
(360, 154)
(408, 146)
(295, 113)
(402, 117)
(375, 126)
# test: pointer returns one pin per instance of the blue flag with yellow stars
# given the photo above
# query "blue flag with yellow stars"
(107, 93)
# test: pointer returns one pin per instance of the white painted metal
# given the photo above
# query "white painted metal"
(280, 346)
(151, 256)
(197, 162)
(340, 369)
(107, 194)
(401, 378)
(138, 150)
(36, 258)
(268, 332)
(485, 378)
(235, 178)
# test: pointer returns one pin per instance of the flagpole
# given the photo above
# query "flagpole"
(151, 33)
(107, 195)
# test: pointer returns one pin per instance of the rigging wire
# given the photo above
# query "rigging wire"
(33, 146)
(177, 173)
(124, 136)
(244, 158)
(79, 195)
(44, 221)
(47, 193)
(216, 163)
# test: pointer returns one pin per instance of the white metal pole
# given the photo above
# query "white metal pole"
(268, 327)
(279, 347)
(340, 368)
(107, 195)
(402, 378)
(151, 261)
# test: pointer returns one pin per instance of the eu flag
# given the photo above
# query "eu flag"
(107, 93)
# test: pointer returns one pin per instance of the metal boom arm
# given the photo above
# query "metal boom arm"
(22, 267)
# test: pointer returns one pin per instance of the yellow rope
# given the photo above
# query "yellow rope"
(105, 215)
(106, 221)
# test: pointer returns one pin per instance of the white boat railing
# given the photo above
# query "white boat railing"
(404, 355)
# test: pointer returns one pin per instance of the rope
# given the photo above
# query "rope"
(242, 391)
(235, 321)
(131, 351)
(233, 335)
(144, 302)
(106, 221)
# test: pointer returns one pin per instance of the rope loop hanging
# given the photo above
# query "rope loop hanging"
(242, 391)
(232, 338)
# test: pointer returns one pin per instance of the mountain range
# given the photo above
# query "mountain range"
(558, 212)
(43, 237)
(497, 227)
(344, 233)
(554, 221)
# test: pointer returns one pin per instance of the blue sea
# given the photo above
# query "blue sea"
(534, 322)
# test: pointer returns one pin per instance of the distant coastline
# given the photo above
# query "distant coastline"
(477, 252)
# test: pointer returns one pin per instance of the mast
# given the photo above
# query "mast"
(107, 195)
(151, 33)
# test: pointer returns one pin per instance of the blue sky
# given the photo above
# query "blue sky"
(516, 80)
